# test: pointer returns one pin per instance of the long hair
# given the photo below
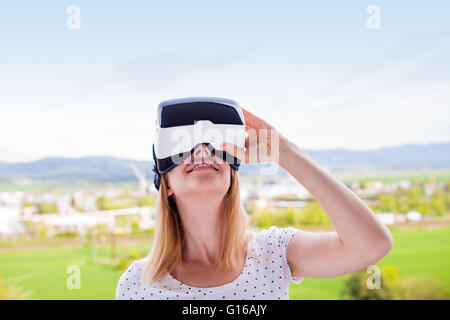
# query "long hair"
(166, 252)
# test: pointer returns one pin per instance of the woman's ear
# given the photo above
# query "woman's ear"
(166, 182)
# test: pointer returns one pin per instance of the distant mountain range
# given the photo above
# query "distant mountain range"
(109, 169)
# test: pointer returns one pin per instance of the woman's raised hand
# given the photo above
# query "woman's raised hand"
(262, 143)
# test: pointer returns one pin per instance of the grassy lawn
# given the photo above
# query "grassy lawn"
(42, 272)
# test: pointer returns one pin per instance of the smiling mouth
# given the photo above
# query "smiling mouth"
(202, 166)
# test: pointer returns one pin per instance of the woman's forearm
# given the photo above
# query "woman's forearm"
(353, 220)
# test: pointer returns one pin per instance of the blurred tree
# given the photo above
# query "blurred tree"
(287, 197)
(387, 203)
(135, 229)
(262, 219)
(146, 201)
(356, 288)
(104, 203)
(313, 214)
(402, 205)
(393, 287)
(421, 288)
(437, 205)
(26, 204)
(47, 207)
(415, 196)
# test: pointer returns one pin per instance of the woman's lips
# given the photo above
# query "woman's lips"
(203, 168)
(195, 167)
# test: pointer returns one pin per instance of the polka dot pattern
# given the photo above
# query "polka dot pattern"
(266, 275)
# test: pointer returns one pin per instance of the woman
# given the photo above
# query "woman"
(203, 249)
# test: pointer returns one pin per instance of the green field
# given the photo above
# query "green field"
(42, 272)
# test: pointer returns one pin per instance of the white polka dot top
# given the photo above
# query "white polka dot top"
(266, 276)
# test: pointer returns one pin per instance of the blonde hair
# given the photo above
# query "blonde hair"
(166, 252)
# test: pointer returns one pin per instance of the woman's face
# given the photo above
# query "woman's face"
(187, 179)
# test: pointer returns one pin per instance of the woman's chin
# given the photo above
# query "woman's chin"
(206, 187)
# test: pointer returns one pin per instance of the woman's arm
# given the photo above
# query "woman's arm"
(360, 239)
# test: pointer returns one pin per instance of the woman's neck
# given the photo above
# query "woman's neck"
(202, 219)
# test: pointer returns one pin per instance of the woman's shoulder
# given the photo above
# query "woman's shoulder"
(271, 245)
(274, 236)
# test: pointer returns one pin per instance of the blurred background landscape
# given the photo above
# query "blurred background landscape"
(361, 87)
(98, 213)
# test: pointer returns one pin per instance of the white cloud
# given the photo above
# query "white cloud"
(113, 113)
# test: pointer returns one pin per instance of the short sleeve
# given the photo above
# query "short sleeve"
(283, 236)
(126, 284)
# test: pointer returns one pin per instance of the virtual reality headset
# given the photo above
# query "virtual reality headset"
(184, 124)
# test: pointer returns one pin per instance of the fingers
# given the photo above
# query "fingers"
(254, 122)
(249, 120)
(235, 151)
(247, 114)
(250, 155)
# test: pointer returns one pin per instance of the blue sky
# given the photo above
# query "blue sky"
(312, 69)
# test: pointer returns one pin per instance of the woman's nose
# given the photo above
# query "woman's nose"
(202, 153)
